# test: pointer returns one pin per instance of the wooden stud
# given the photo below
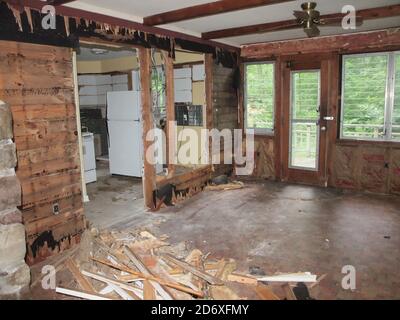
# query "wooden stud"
(149, 173)
(170, 106)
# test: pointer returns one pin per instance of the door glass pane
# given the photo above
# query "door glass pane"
(396, 110)
(305, 95)
(304, 145)
(304, 117)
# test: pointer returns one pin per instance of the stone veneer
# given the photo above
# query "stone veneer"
(14, 272)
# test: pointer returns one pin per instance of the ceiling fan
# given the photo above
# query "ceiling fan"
(310, 19)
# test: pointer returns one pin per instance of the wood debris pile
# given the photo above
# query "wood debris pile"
(140, 266)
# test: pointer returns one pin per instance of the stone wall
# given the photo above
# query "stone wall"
(14, 272)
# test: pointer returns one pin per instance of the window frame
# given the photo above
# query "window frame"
(260, 131)
(389, 97)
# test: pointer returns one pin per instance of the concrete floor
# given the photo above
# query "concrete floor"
(276, 227)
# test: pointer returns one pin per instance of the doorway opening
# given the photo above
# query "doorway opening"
(110, 115)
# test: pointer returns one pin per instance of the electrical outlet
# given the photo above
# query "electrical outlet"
(387, 165)
(56, 208)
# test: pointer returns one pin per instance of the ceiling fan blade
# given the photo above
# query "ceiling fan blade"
(315, 15)
(313, 31)
(332, 22)
(301, 15)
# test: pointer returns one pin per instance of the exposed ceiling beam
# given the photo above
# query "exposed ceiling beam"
(387, 39)
(59, 2)
(207, 9)
(366, 14)
(101, 18)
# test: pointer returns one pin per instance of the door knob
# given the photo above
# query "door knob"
(323, 128)
(329, 118)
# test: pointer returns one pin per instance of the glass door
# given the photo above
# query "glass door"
(304, 120)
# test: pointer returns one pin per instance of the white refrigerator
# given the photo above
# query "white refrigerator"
(125, 133)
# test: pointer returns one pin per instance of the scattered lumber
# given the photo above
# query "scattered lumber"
(137, 265)
(82, 281)
(201, 274)
(111, 281)
(226, 187)
(143, 269)
(148, 291)
(142, 277)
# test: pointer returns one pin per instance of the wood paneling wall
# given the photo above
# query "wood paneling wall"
(37, 81)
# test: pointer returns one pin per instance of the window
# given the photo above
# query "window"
(260, 96)
(371, 97)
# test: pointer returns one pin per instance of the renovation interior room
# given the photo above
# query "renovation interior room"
(200, 150)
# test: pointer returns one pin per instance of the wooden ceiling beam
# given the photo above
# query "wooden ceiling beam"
(207, 9)
(59, 2)
(366, 14)
(371, 41)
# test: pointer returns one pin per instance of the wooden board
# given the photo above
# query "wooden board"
(37, 82)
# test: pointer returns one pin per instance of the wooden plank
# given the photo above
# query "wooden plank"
(251, 29)
(265, 293)
(366, 14)
(33, 81)
(46, 183)
(30, 51)
(349, 43)
(143, 269)
(35, 96)
(149, 174)
(207, 9)
(82, 281)
(43, 127)
(42, 154)
(201, 274)
(108, 280)
(209, 63)
(59, 166)
(13, 63)
(289, 292)
(170, 110)
(290, 277)
(148, 291)
(52, 221)
(50, 195)
(139, 276)
(187, 177)
(42, 112)
(241, 278)
(34, 141)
